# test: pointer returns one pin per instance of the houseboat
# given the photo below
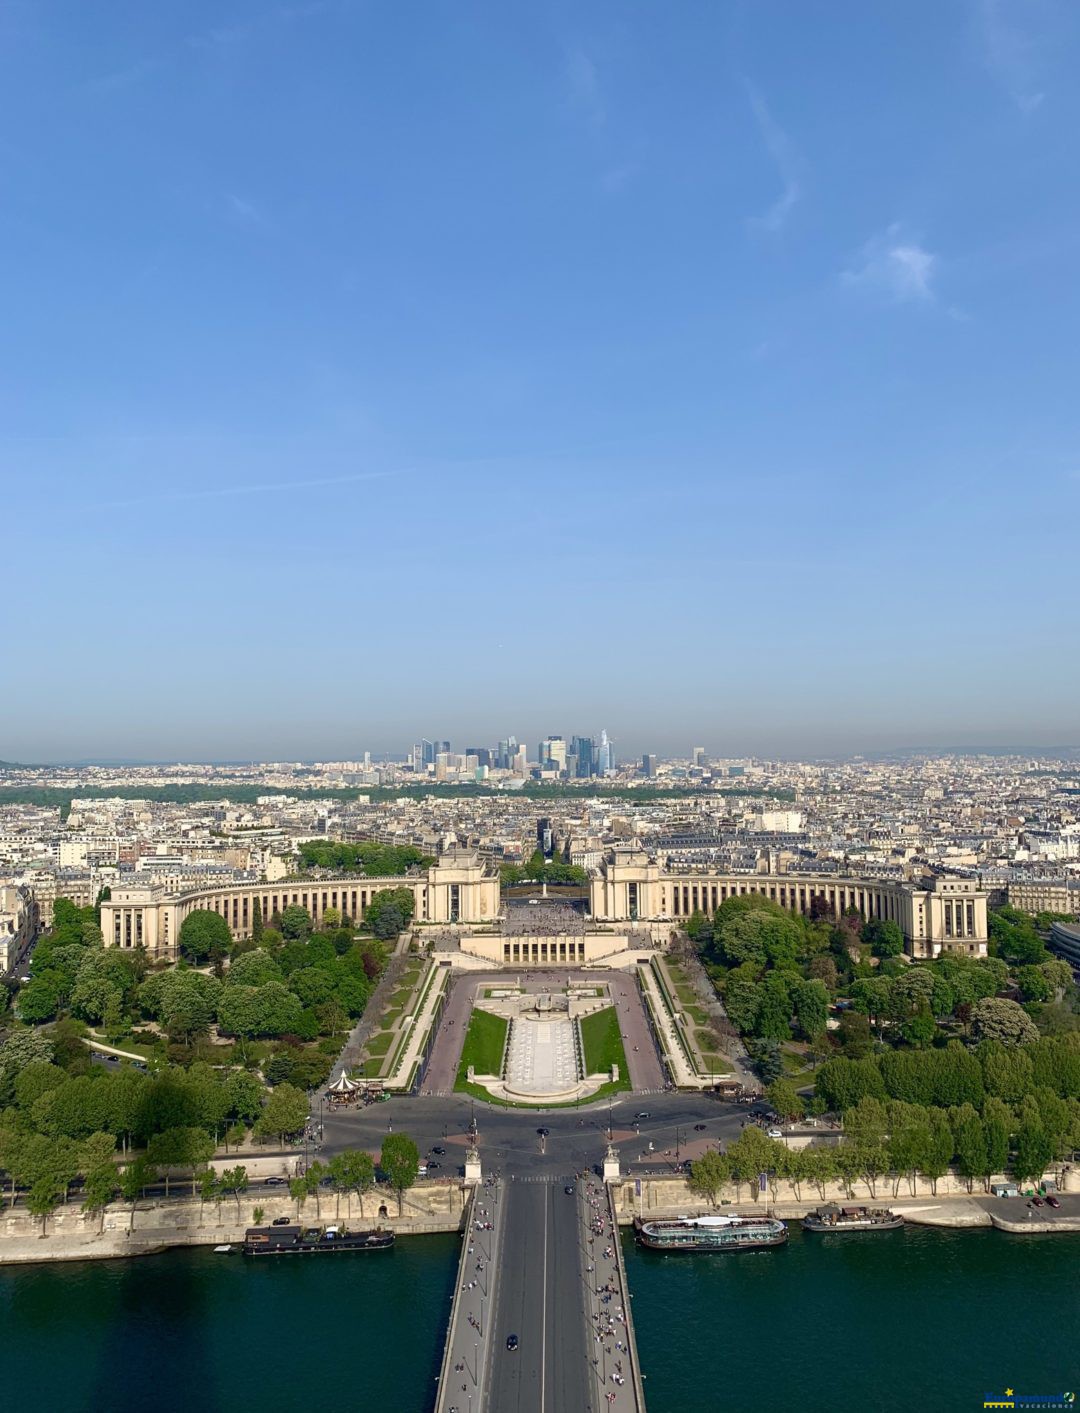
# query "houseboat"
(302, 1241)
(832, 1218)
(715, 1233)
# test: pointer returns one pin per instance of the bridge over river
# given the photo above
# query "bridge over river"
(543, 1265)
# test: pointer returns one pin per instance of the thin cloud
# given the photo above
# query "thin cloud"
(1008, 52)
(583, 87)
(894, 268)
(243, 210)
(778, 145)
(266, 488)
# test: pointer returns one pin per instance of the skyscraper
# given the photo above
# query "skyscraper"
(605, 756)
(583, 748)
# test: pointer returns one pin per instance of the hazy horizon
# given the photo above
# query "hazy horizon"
(702, 373)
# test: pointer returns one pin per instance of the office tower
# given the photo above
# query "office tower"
(699, 755)
(543, 836)
(482, 754)
(428, 748)
(605, 757)
(648, 765)
(520, 761)
(444, 746)
(551, 754)
(583, 749)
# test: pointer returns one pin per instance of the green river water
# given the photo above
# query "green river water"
(914, 1319)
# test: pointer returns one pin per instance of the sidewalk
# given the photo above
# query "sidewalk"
(606, 1304)
(681, 1073)
(467, 1356)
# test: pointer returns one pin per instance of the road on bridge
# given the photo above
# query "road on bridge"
(540, 1297)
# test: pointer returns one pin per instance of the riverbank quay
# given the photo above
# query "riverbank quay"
(468, 1351)
(951, 1206)
(157, 1225)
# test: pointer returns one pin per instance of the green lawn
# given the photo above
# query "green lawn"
(602, 1043)
(380, 1043)
(485, 1041)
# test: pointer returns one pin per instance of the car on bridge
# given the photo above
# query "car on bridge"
(511, 1342)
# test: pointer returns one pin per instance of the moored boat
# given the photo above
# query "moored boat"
(831, 1218)
(302, 1241)
(712, 1233)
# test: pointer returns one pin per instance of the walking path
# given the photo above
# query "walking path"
(616, 1373)
(678, 1065)
(467, 1355)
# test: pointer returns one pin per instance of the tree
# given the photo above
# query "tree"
(134, 1179)
(883, 936)
(774, 1014)
(285, 1112)
(939, 1150)
(752, 1154)
(234, 1180)
(295, 921)
(314, 1177)
(20, 1049)
(256, 923)
(997, 1125)
(184, 1001)
(43, 1199)
(811, 1000)
(1034, 1151)
(823, 968)
(995, 1018)
(400, 1161)
(970, 1144)
(784, 1098)
(353, 1170)
(298, 1191)
(742, 999)
(99, 1189)
(919, 1029)
(253, 969)
(203, 934)
(708, 1174)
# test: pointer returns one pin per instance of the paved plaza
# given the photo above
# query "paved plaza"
(541, 1057)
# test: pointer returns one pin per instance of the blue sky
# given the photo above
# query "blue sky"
(705, 371)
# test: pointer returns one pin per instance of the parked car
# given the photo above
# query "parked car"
(775, 1133)
(438, 1149)
(432, 1166)
(1036, 1202)
(638, 1118)
(274, 1182)
(281, 1221)
(1052, 1202)
(569, 1189)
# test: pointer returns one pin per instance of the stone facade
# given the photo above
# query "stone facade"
(948, 915)
(459, 888)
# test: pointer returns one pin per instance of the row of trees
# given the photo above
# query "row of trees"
(954, 1074)
(898, 1142)
(541, 870)
(368, 860)
(39, 1096)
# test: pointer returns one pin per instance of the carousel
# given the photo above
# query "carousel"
(344, 1090)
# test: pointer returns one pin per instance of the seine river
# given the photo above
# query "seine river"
(908, 1320)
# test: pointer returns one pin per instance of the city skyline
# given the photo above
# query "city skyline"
(722, 386)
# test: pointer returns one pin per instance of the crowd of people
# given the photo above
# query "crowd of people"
(605, 1282)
